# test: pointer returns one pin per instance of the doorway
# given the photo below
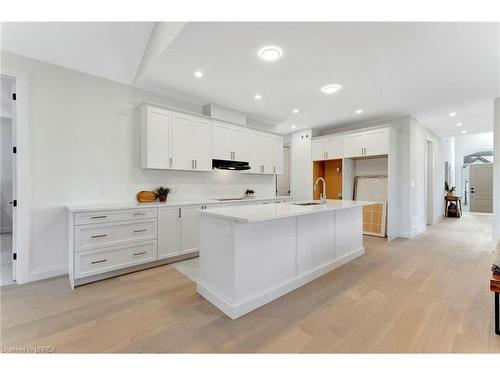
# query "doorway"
(7, 170)
(481, 187)
(429, 182)
(283, 180)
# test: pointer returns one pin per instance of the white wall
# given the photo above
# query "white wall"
(371, 167)
(85, 149)
(465, 145)
(419, 135)
(301, 172)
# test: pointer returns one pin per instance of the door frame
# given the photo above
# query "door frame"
(429, 181)
(21, 223)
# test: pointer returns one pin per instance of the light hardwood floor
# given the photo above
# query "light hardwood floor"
(429, 294)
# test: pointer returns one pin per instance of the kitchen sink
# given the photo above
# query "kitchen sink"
(308, 204)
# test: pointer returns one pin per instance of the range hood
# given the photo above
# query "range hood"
(230, 164)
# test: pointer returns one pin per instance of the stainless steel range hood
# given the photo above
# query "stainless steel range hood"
(230, 165)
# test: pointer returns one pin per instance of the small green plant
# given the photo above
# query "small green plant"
(249, 192)
(449, 189)
(162, 193)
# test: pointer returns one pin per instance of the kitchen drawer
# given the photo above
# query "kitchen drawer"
(96, 217)
(94, 262)
(88, 237)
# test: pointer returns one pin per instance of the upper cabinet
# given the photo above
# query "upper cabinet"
(266, 155)
(156, 127)
(175, 140)
(230, 142)
(370, 143)
(182, 141)
(327, 148)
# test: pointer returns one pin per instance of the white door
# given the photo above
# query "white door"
(333, 148)
(203, 145)
(169, 232)
(190, 229)
(182, 141)
(277, 155)
(239, 143)
(481, 188)
(157, 134)
(284, 179)
(318, 150)
(375, 143)
(353, 145)
(221, 141)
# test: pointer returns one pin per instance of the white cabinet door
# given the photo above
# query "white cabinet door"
(318, 150)
(333, 148)
(278, 155)
(190, 229)
(156, 126)
(202, 145)
(221, 141)
(376, 143)
(255, 151)
(169, 232)
(182, 141)
(239, 142)
(267, 153)
(353, 145)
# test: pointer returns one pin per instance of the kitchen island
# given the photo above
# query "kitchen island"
(252, 255)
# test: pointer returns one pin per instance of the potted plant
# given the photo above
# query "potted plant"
(163, 192)
(449, 189)
(249, 192)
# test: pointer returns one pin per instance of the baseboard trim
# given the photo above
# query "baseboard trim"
(236, 310)
(47, 272)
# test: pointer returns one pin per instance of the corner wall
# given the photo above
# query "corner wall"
(301, 171)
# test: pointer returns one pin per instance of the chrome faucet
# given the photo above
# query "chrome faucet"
(322, 196)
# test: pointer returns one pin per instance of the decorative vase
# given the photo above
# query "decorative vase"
(162, 198)
(450, 194)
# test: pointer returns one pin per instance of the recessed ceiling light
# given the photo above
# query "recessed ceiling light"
(258, 96)
(198, 74)
(464, 131)
(270, 53)
(359, 111)
(295, 110)
(331, 89)
(451, 114)
(459, 123)
(293, 126)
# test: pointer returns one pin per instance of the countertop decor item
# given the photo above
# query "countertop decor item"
(449, 189)
(249, 192)
(163, 192)
(146, 196)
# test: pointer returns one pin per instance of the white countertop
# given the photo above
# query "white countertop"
(273, 211)
(171, 203)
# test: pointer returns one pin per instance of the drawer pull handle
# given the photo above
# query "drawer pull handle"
(99, 217)
(141, 253)
(99, 235)
(98, 261)
(139, 213)
(139, 230)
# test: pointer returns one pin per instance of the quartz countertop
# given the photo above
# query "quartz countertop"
(170, 203)
(274, 211)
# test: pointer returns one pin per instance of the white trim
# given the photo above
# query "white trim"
(48, 272)
(22, 186)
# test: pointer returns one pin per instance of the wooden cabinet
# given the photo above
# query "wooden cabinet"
(169, 230)
(327, 148)
(370, 143)
(175, 140)
(230, 142)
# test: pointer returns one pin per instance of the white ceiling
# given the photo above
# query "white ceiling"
(387, 69)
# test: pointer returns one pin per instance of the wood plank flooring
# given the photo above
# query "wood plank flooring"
(428, 294)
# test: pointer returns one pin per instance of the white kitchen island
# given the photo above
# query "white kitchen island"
(252, 255)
